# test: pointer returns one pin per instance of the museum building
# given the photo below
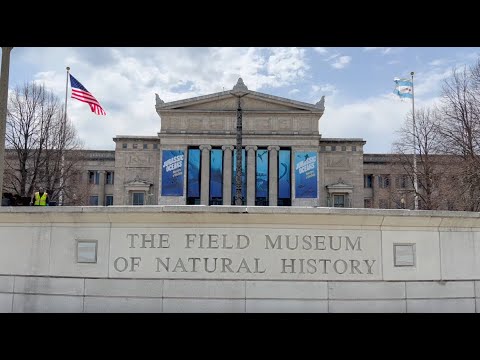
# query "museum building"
(192, 160)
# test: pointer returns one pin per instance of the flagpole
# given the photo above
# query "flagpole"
(64, 126)
(415, 182)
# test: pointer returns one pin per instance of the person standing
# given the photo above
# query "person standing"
(40, 198)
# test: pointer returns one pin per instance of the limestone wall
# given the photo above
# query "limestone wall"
(268, 259)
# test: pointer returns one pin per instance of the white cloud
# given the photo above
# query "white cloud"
(331, 57)
(341, 62)
(286, 65)
(373, 119)
(323, 88)
(384, 50)
(125, 80)
(321, 50)
(393, 62)
(429, 83)
(437, 62)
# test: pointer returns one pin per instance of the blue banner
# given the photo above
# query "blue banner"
(172, 172)
(284, 174)
(193, 173)
(306, 174)
(216, 173)
(261, 181)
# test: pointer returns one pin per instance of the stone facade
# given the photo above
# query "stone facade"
(42, 268)
(136, 168)
(346, 177)
(269, 123)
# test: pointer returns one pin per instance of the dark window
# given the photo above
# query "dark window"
(384, 181)
(367, 203)
(344, 148)
(109, 177)
(450, 205)
(108, 200)
(422, 205)
(338, 200)
(124, 145)
(155, 146)
(138, 198)
(322, 148)
(334, 148)
(93, 177)
(383, 204)
(145, 146)
(354, 148)
(135, 146)
(403, 182)
(367, 181)
(93, 200)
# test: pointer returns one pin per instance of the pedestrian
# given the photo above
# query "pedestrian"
(40, 198)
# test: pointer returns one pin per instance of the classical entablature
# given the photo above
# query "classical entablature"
(138, 185)
(339, 194)
(262, 113)
(340, 187)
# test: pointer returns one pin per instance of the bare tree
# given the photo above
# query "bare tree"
(427, 148)
(79, 189)
(460, 131)
(37, 135)
(447, 144)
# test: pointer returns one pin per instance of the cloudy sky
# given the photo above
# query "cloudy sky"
(357, 83)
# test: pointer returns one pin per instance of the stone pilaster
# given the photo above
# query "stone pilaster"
(251, 157)
(101, 188)
(273, 175)
(86, 177)
(205, 175)
(227, 174)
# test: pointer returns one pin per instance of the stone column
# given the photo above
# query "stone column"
(101, 188)
(251, 157)
(205, 176)
(227, 174)
(273, 175)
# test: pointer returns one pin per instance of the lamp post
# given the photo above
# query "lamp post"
(3, 108)
(239, 91)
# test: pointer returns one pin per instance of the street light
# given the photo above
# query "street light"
(239, 91)
(3, 108)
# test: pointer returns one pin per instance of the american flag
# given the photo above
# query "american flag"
(79, 92)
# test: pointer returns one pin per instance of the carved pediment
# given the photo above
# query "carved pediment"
(251, 101)
(340, 187)
(216, 113)
(137, 182)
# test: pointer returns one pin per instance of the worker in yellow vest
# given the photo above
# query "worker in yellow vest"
(40, 198)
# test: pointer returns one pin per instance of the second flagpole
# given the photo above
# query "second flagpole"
(63, 127)
(415, 181)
